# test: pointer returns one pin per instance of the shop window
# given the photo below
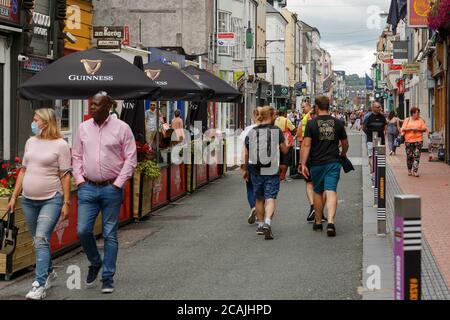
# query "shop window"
(65, 116)
(237, 28)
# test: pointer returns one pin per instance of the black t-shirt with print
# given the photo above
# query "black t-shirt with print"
(325, 132)
(376, 123)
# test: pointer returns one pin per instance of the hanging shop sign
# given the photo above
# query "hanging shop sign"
(281, 91)
(260, 66)
(418, 11)
(394, 67)
(108, 44)
(9, 11)
(108, 32)
(411, 68)
(41, 23)
(400, 51)
(35, 64)
(126, 36)
(226, 39)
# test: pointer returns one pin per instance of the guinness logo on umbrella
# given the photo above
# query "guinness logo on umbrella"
(153, 74)
(91, 66)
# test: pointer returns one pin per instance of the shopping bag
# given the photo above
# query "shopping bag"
(397, 142)
(8, 233)
(288, 137)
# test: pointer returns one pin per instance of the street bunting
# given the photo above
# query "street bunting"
(418, 11)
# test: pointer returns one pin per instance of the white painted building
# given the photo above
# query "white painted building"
(276, 47)
(235, 63)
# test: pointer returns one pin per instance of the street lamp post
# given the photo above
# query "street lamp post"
(266, 43)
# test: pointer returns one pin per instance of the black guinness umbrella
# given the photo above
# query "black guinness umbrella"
(133, 110)
(176, 84)
(81, 75)
(223, 91)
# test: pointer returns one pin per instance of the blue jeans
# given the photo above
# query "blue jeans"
(251, 193)
(41, 217)
(91, 200)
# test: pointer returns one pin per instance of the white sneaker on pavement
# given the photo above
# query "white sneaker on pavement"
(37, 292)
(51, 280)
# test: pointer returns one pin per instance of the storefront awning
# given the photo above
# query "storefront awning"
(223, 91)
(177, 84)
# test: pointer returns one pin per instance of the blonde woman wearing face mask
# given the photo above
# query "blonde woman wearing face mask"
(44, 182)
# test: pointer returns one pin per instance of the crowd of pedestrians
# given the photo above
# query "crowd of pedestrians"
(104, 157)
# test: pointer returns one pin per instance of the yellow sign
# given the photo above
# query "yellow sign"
(238, 75)
(411, 68)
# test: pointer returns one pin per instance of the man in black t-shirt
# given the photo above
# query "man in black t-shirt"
(321, 146)
(376, 122)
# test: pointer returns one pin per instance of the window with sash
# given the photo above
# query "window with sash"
(224, 21)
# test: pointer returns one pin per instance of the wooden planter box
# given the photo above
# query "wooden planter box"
(142, 195)
(24, 255)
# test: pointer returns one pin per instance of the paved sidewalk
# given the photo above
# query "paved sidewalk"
(433, 186)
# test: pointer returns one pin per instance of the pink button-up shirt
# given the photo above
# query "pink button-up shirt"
(104, 153)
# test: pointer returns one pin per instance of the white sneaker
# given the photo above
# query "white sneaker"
(37, 292)
(51, 280)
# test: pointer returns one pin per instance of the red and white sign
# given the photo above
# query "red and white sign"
(395, 67)
(126, 36)
(226, 39)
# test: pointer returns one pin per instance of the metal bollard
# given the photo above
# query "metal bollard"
(381, 189)
(407, 248)
(375, 171)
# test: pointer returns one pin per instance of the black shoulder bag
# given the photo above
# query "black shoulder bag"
(8, 233)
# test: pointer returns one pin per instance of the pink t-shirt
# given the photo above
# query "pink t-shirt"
(44, 160)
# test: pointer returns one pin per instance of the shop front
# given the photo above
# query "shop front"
(10, 41)
(282, 98)
(441, 113)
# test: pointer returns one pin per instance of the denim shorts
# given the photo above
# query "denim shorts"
(326, 177)
(370, 149)
(265, 187)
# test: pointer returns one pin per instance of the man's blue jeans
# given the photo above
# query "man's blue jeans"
(41, 217)
(91, 200)
(251, 194)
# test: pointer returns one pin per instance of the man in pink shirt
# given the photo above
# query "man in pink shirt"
(104, 158)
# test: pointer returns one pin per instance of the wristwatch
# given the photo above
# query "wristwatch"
(67, 202)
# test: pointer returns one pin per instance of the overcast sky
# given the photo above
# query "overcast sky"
(343, 25)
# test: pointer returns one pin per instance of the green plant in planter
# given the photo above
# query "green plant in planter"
(150, 169)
